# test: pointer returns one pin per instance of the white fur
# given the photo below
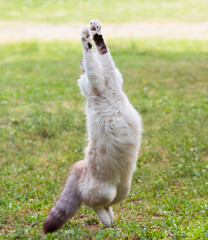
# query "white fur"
(114, 129)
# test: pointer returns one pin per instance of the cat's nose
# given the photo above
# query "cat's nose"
(92, 28)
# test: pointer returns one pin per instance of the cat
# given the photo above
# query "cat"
(114, 127)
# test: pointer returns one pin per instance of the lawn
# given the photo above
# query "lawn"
(42, 133)
(70, 11)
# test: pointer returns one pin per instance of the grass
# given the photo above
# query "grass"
(42, 133)
(70, 11)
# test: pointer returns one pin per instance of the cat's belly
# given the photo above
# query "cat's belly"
(115, 130)
(113, 148)
(114, 139)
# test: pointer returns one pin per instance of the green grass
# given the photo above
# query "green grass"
(42, 133)
(70, 11)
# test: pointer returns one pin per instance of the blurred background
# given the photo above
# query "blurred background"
(161, 49)
(26, 19)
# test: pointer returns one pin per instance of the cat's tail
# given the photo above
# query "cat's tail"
(69, 201)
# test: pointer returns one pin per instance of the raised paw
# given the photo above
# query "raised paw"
(85, 38)
(95, 31)
(95, 27)
(85, 34)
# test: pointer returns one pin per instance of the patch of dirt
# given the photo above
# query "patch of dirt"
(17, 31)
(91, 227)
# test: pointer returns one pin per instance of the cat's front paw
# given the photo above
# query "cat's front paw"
(95, 27)
(85, 39)
(85, 34)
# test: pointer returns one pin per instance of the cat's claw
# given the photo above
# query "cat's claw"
(95, 27)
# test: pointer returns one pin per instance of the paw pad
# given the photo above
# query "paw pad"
(85, 34)
(95, 26)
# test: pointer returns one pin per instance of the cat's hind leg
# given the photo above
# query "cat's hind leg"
(106, 219)
(103, 216)
(99, 196)
(91, 65)
(110, 213)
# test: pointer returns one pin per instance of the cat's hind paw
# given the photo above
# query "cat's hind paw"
(95, 27)
(109, 210)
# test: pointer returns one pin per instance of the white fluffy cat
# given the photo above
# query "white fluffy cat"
(114, 127)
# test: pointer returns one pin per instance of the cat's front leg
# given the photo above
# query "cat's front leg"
(101, 46)
(91, 66)
(86, 40)
(96, 34)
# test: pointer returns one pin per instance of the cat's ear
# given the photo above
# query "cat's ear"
(82, 66)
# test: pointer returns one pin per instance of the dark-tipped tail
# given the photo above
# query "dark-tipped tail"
(68, 203)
